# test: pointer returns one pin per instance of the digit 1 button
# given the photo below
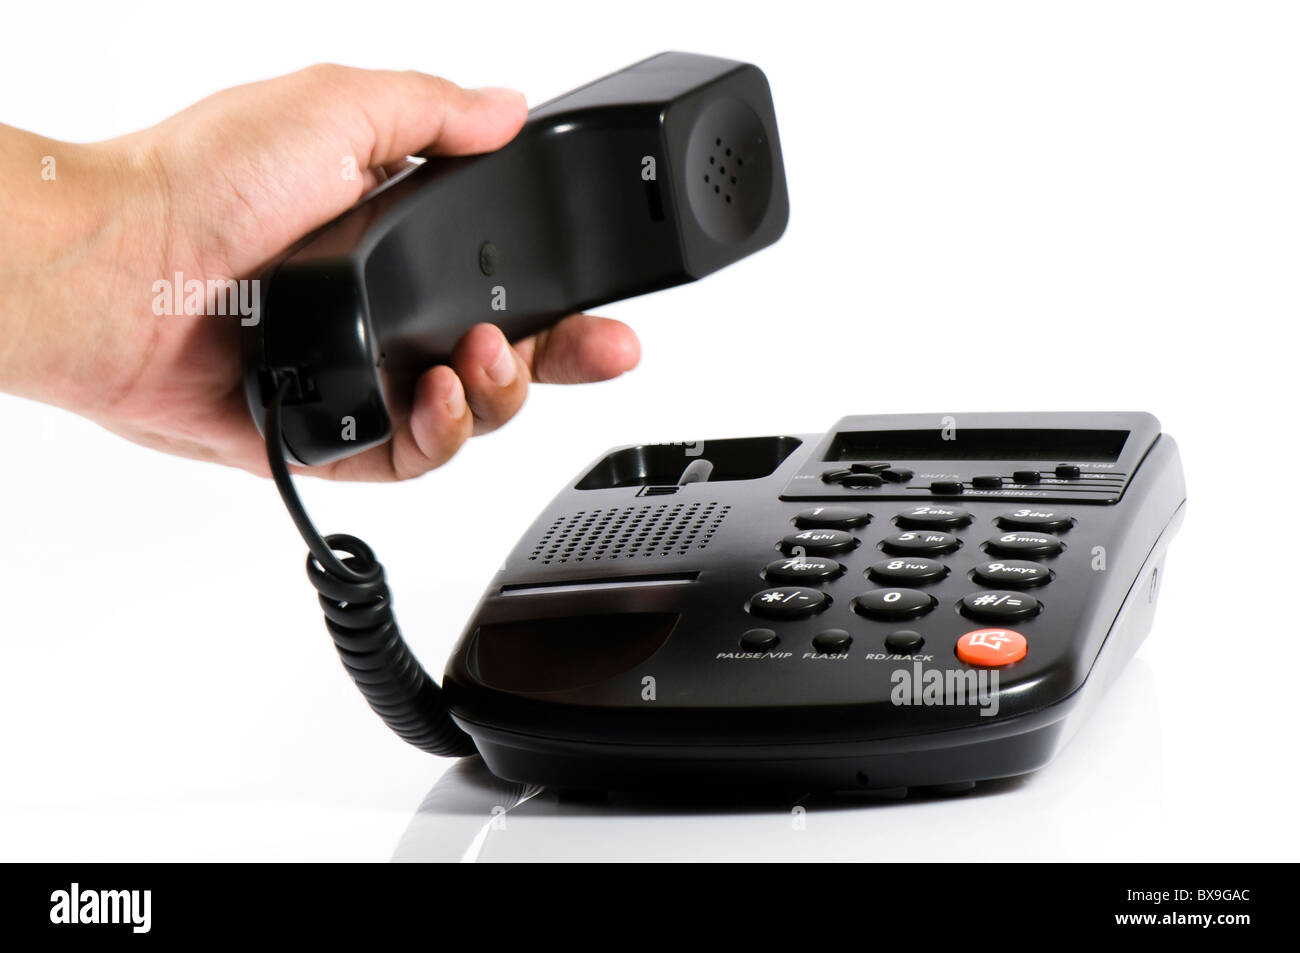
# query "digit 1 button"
(1012, 573)
(1029, 518)
(991, 647)
(904, 571)
(832, 641)
(999, 606)
(832, 517)
(891, 604)
(758, 640)
(934, 517)
(920, 544)
(819, 542)
(1029, 545)
(788, 602)
(808, 570)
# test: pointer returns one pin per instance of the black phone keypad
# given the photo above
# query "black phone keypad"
(898, 574)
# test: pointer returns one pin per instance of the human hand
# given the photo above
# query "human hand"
(214, 193)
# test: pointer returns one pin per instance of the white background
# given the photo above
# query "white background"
(995, 206)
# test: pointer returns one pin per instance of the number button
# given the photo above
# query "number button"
(914, 571)
(808, 570)
(893, 604)
(934, 517)
(788, 602)
(1028, 518)
(1028, 545)
(819, 542)
(920, 544)
(1013, 573)
(999, 606)
(832, 517)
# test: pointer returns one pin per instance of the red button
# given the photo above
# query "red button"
(990, 647)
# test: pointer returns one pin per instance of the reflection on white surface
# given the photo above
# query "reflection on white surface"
(1104, 789)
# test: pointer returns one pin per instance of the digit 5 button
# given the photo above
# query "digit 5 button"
(893, 604)
(934, 517)
(999, 606)
(991, 647)
(1028, 545)
(832, 517)
(920, 544)
(788, 602)
(1026, 517)
(819, 542)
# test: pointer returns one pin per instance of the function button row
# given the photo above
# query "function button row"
(986, 482)
(788, 602)
(832, 641)
(806, 570)
(1026, 545)
(897, 474)
(920, 544)
(913, 571)
(1012, 573)
(930, 516)
(1063, 471)
(1049, 521)
(832, 517)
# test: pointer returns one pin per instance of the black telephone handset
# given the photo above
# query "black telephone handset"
(653, 176)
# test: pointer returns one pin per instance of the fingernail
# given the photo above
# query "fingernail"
(500, 92)
(503, 370)
(455, 399)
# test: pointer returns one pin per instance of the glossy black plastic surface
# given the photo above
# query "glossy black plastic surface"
(697, 708)
(653, 176)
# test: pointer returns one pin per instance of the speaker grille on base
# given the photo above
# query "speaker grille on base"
(669, 529)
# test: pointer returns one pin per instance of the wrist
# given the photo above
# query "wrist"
(85, 230)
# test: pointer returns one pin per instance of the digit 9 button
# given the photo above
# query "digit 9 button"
(934, 517)
(1012, 573)
(1046, 521)
(1025, 545)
